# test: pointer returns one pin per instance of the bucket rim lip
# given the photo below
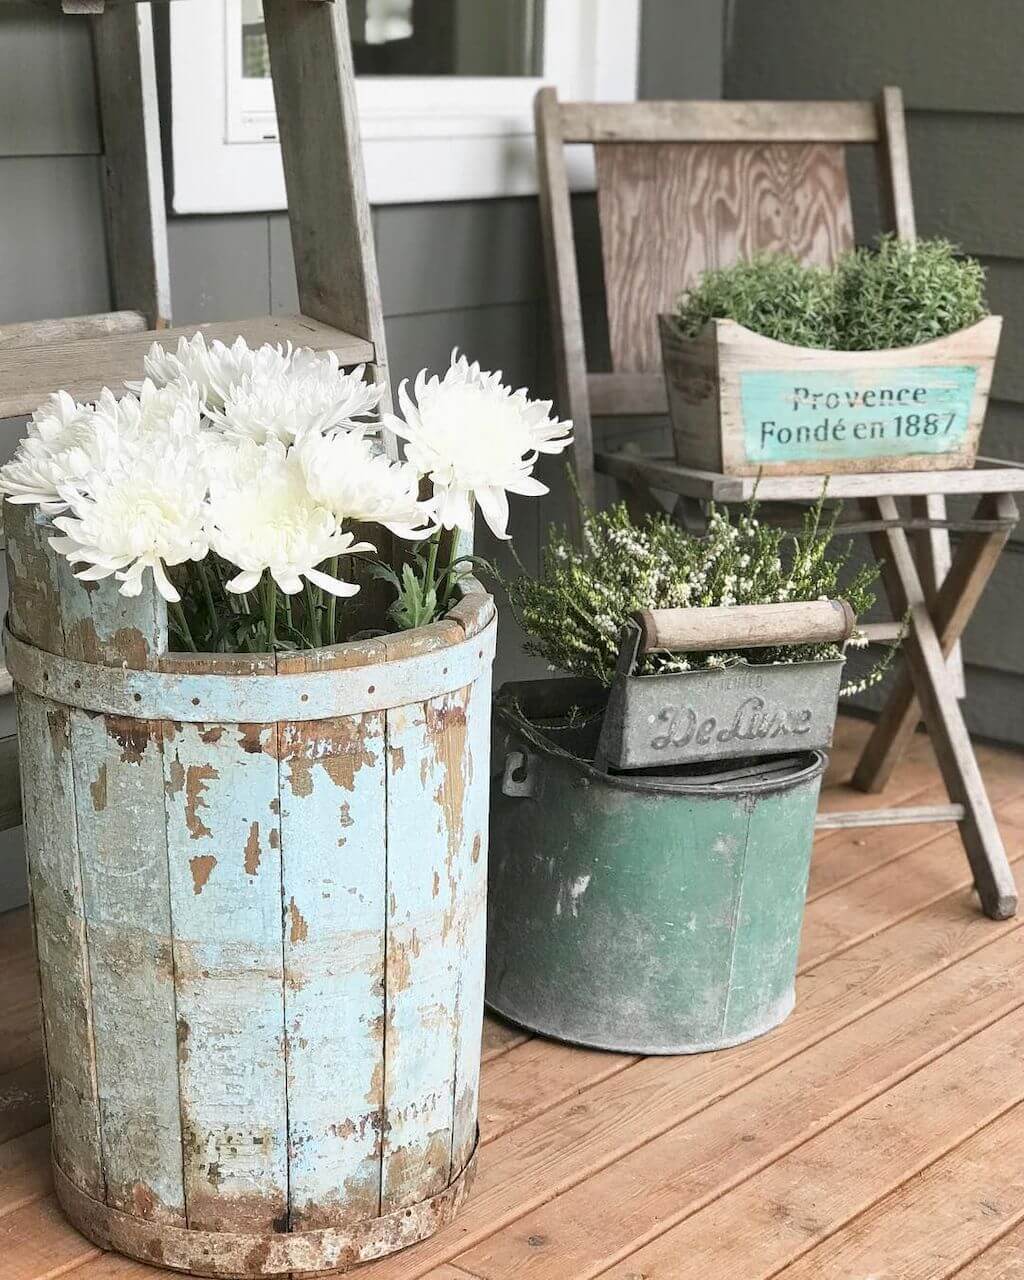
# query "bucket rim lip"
(812, 765)
(740, 665)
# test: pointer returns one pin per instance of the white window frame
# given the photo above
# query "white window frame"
(424, 138)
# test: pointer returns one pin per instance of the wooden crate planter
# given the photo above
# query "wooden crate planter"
(745, 405)
(258, 889)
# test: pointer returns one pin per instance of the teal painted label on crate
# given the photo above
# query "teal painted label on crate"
(803, 416)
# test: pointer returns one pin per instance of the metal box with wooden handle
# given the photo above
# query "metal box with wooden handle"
(741, 709)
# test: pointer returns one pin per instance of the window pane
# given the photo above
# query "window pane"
(424, 38)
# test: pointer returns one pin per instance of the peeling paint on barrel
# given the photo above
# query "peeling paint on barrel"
(229, 1012)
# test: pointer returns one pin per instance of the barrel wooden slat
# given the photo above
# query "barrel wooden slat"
(222, 802)
(100, 625)
(425, 744)
(119, 797)
(471, 929)
(333, 856)
(56, 888)
(33, 607)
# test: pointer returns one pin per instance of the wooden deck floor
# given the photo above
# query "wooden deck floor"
(878, 1133)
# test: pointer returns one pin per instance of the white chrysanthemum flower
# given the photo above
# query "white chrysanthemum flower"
(352, 476)
(147, 510)
(476, 438)
(263, 517)
(214, 369)
(65, 442)
(312, 394)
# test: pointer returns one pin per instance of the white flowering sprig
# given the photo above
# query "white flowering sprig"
(573, 612)
(243, 481)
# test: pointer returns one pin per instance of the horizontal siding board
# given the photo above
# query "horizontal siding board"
(455, 256)
(52, 248)
(47, 88)
(945, 54)
(994, 637)
(220, 267)
(957, 164)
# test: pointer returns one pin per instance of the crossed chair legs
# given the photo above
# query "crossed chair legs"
(925, 687)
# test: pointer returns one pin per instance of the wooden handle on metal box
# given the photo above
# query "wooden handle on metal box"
(746, 626)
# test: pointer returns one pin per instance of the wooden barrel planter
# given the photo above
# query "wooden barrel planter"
(258, 889)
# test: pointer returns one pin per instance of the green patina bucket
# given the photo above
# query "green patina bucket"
(655, 912)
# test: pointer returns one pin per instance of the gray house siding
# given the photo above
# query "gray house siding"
(958, 66)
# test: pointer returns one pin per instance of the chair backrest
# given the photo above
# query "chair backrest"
(683, 187)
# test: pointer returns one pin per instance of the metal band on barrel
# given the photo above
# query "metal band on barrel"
(248, 699)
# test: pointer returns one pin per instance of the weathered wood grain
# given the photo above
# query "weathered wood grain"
(672, 210)
(55, 885)
(119, 800)
(132, 162)
(734, 122)
(84, 366)
(421, 984)
(333, 855)
(222, 805)
(471, 926)
(329, 214)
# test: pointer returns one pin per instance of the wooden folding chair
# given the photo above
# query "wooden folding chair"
(683, 187)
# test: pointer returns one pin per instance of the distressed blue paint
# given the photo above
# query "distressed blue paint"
(333, 857)
(56, 889)
(425, 832)
(119, 797)
(472, 926)
(201, 698)
(222, 802)
(831, 415)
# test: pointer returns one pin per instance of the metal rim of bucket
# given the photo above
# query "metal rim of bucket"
(810, 764)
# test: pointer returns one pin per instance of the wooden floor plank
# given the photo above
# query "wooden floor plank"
(538, 1076)
(23, 1103)
(1003, 1260)
(689, 1166)
(798, 1201)
(37, 1243)
(938, 1221)
(25, 1169)
(500, 1036)
(546, 1156)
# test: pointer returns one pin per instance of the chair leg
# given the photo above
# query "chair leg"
(933, 555)
(952, 607)
(926, 664)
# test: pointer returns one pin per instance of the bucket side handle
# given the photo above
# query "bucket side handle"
(748, 626)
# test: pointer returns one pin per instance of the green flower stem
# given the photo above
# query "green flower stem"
(313, 611)
(208, 594)
(332, 604)
(435, 543)
(178, 614)
(270, 609)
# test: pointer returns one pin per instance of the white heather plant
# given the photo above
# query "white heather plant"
(234, 476)
(574, 611)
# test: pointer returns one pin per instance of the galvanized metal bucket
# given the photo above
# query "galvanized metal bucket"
(258, 889)
(656, 912)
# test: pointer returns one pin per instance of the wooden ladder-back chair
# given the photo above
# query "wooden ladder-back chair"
(683, 187)
(687, 186)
